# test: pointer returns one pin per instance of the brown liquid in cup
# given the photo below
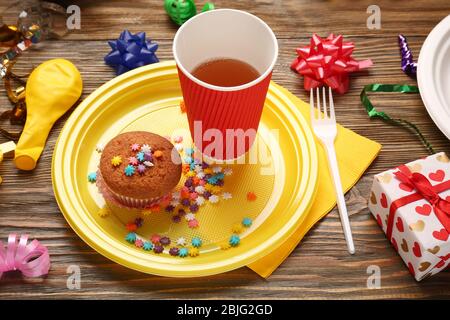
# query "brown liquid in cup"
(225, 72)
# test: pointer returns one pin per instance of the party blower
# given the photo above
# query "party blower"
(52, 89)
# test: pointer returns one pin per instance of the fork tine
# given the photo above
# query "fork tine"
(330, 97)
(311, 103)
(319, 115)
(325, 112)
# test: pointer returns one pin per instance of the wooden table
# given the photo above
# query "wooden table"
(320, 266)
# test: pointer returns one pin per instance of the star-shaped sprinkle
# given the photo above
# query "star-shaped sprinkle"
(116, 161)
(193, 252)
(147, 246)
(158, 248)
(196, 242)
(200, 189)
(181, 241)
(131, 237)
(200, 201)
(225, 245)
(251, 196)
(129, 170)
(92, 177)
(237, 228)
(165, 241)
(155, 238)
(183, 252)
(148, 164)
(217, 169)
(140, 156)
(133, 161)
(213, 199)
(135, 147)
(198, 168)
(247, 222)
(99, 148)
(103, 212)
(188, 159)
(141, 168)
(201, 175)
(234, 240)
(227, 196)
(193, 224)
(228, 171)
(174, 202)
(146, 148)
(189, 216)
(139, 243)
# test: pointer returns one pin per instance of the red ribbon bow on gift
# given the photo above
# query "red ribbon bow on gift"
(424, 190)
(31, 259)
(327, 62)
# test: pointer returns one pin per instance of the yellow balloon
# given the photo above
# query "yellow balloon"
(52, 89)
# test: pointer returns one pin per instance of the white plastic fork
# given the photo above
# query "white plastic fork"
(324, 126)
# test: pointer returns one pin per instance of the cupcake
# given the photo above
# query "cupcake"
(137, 169)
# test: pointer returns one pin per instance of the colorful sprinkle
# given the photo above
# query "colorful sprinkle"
(237, 228)
(116, 161)
(157, 154)
(135, 147)
(251, 196)
(189, 151)
(196, 242)
(173, 251)
(193, 207)
(139, 243)
(200, 201)
(165, 241)
(148, 157)
(225, 245)
(129, 170)
(176, 218)
(183, 252)
(228, 171)
(213, 199)
(193, 252)
(147, 246)
(181, 241)
(103, 212)
(148, 164)
(217, 169)
(92, 177)
(189, 216)
(155, 238)
(140, 156)
(247, 222)
(227, 196)
(132, 161)
(131, 226)
(138, 222)
(193, 224)
(131, 237)
(146, 148)
(99, 148)
(188, 160)
(234, 240)
(185, 202)
(158, 248)
(141, 169)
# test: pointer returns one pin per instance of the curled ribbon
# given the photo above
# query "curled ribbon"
(327, 62)
(424, 190)
(31, 259)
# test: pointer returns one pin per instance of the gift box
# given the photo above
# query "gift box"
(411, 203)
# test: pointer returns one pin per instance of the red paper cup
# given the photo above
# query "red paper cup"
(224, 120)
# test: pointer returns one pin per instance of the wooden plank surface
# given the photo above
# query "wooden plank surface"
(320, 266)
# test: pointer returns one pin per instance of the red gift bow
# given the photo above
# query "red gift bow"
(424, 190)
(327, 62)
(31, 259)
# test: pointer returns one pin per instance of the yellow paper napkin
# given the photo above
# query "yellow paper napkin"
(354, 154)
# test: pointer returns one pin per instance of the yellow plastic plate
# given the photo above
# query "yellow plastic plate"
(283, 177)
